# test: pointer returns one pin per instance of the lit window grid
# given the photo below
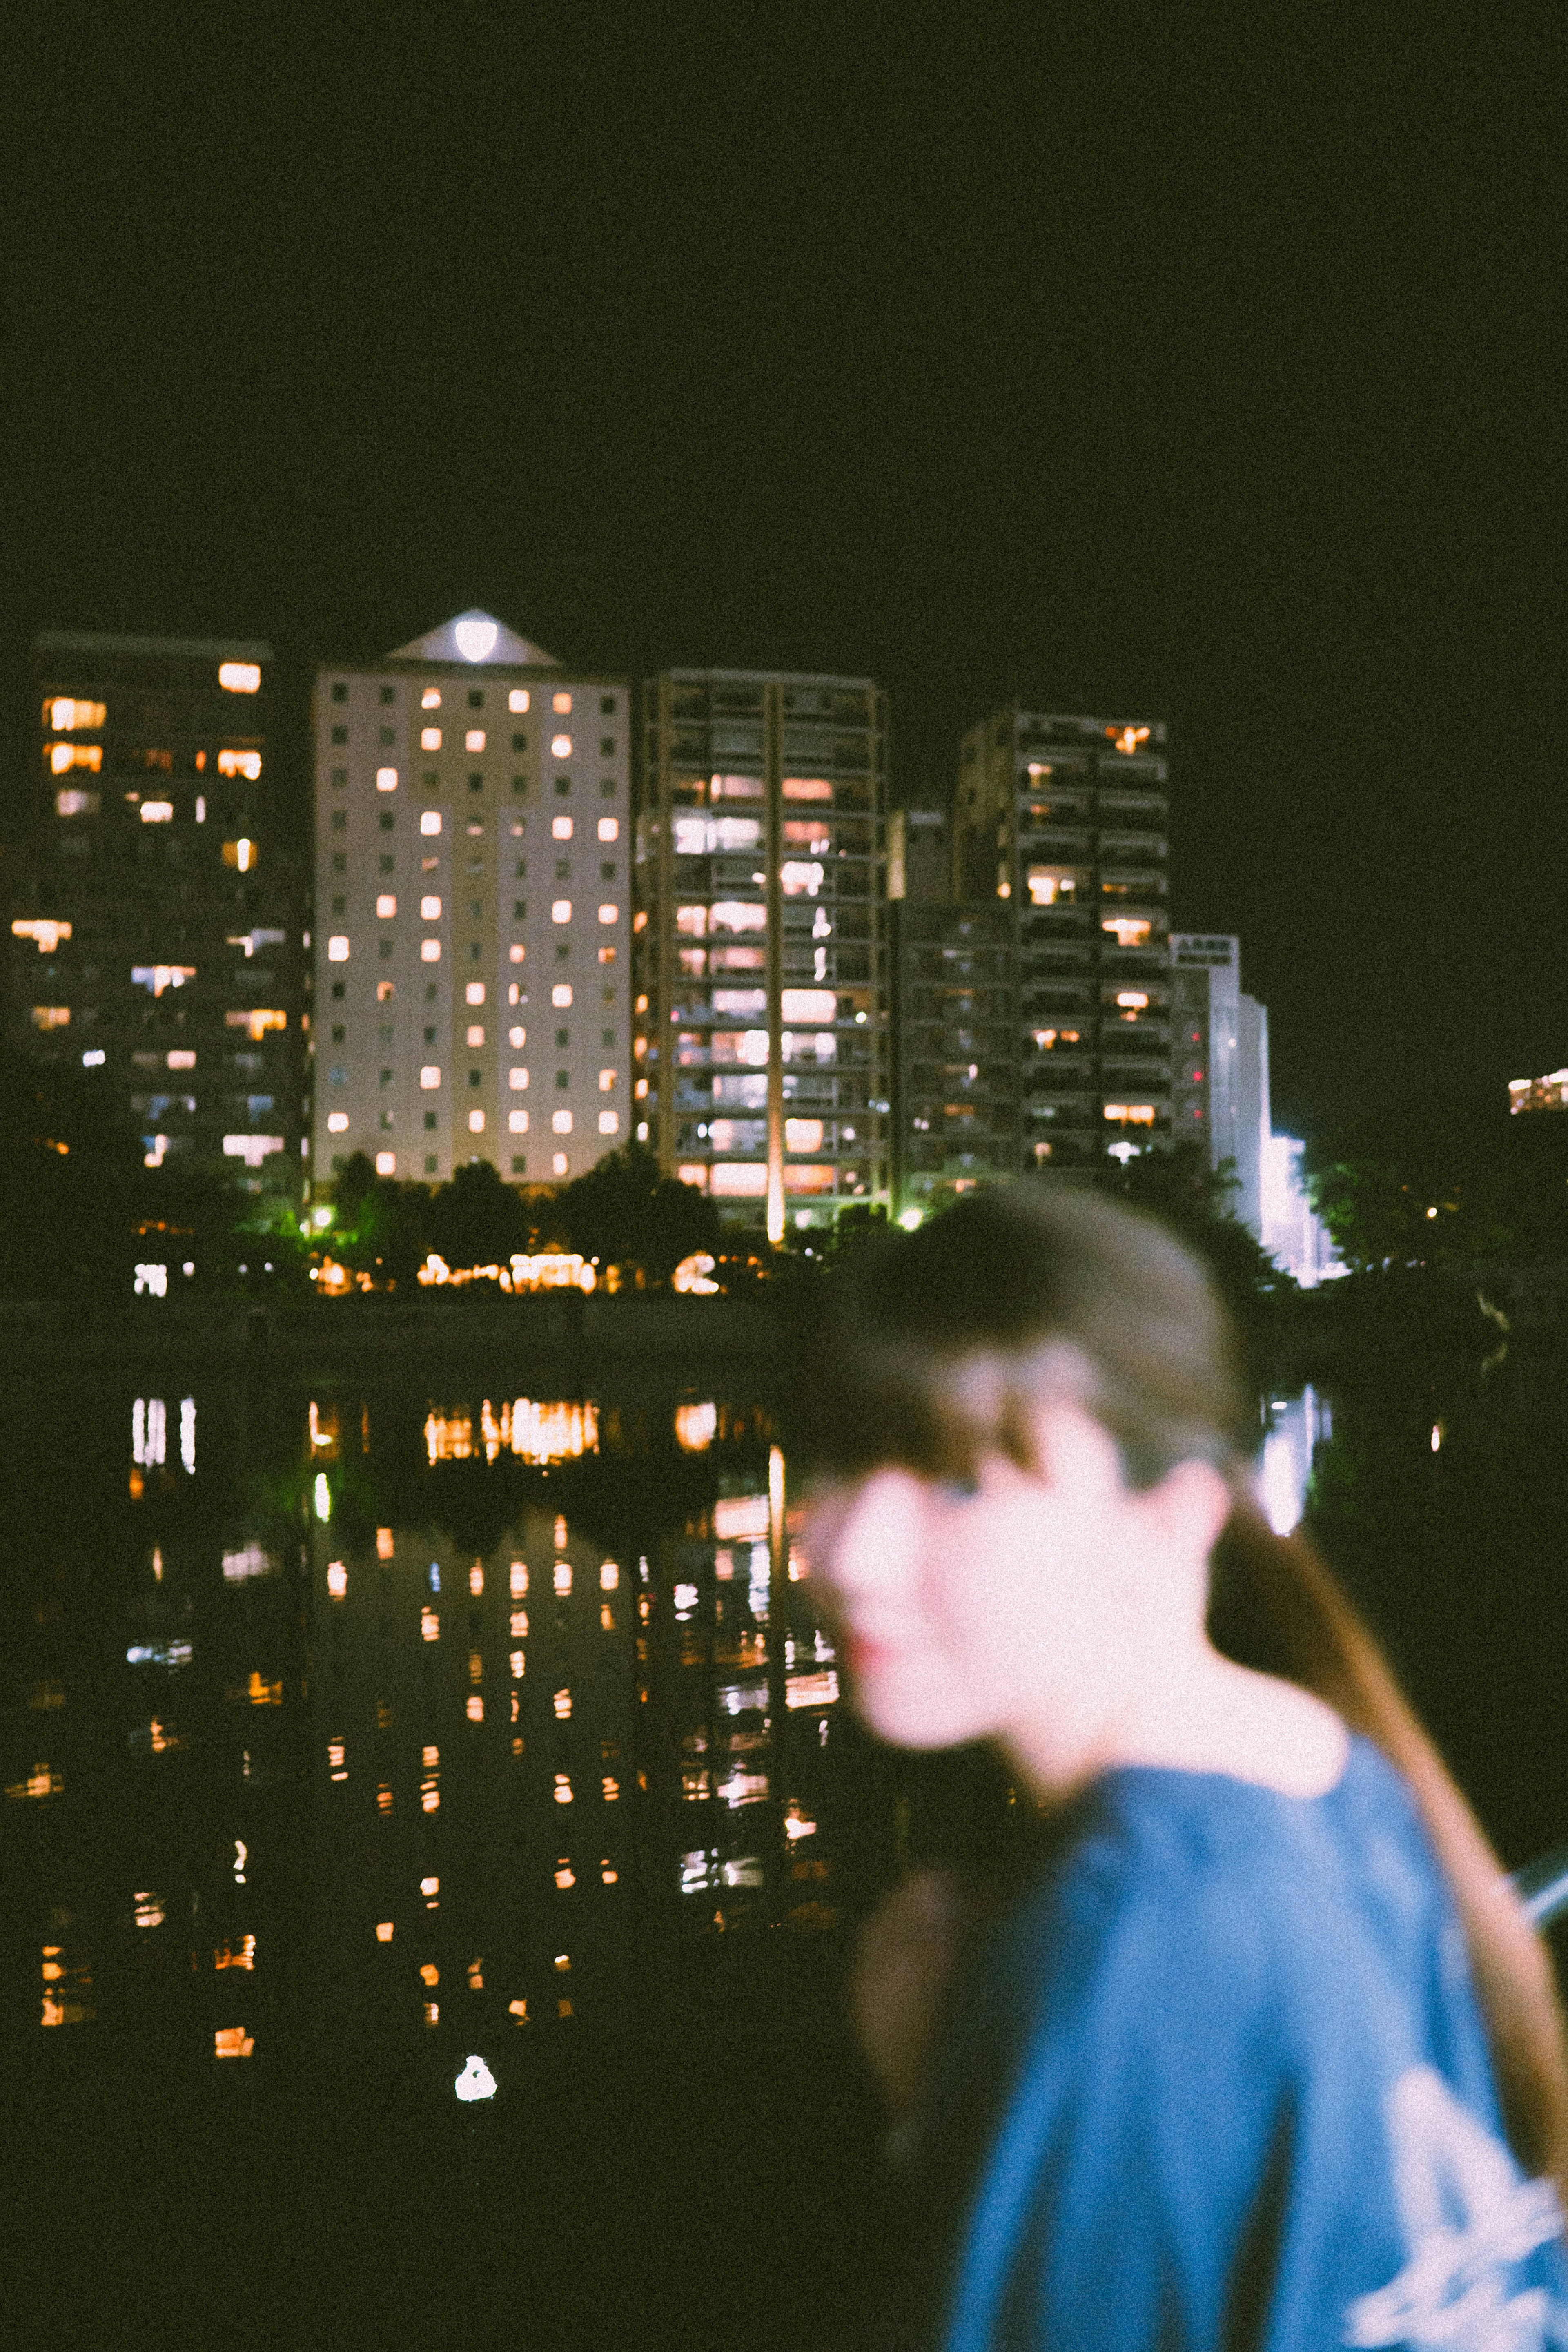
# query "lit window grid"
(1060, 945)
(496, 930)
(227, 798)
(851, 887)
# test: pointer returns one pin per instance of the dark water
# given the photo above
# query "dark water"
(359, 1739)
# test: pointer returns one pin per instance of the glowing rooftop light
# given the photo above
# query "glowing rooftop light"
(475, 641)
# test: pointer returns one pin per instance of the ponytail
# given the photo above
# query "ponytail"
(1276, 1606)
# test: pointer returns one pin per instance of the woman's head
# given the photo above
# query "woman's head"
(1030, 1423)
(939, 1345)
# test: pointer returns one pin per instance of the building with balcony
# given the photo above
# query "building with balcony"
(156, 931)
(1064, 821)
(760, 961)
(955, 1050)
(473, 909)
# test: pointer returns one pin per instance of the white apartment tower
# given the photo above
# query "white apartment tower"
(472, 909)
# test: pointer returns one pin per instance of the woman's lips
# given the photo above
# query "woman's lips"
(866, 1655)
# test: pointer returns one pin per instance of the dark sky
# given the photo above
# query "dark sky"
(1120, 361)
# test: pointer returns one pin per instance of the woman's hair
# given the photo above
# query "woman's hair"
(937, 1347)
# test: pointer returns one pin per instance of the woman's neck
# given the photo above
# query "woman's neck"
(1207, 1716)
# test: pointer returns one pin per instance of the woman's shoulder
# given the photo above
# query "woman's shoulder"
(1169, 1870)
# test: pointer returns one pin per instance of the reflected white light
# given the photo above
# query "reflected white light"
(475, 641)
(475, 2081)
(1286, 1466)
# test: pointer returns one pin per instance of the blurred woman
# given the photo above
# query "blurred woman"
(1265, 2053)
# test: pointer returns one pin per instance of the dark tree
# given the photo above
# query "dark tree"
(477, 1220)
(1180, 1188)
(625, 1213)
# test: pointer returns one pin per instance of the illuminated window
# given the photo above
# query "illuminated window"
(430, 738)
(475, 992)
(62, 713)
(561, 911)
(430, 911)
(519, 1585)
(386, 1163)
(560, 746)
(386, 906)
(337, 950)
(563, 1704)
(45, 931)
(386, 779)
(560, 703)
(240, 677)
(1130, 931)
(430, 950)
(337, 1122)
(162, 813)
(429, 821)
(562, 1796)
(517, 699)
(232, 2042)
(61, 756)
(474, 740)
(77, 804)
(1130, 1113)
(608, 914)
(609, 1122)
(258, 1021)
(51, 1016)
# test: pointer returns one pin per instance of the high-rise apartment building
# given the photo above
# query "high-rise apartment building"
(1065, 820)
(955, 1050)
(760, 1004)
(473, 909)
(156, 933)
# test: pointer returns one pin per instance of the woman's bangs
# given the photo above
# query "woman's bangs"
(895, 1408)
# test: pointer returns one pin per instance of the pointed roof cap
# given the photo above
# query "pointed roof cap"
(478, 637)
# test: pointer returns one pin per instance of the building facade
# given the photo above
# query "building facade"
(157, 928)
(955, 1051)
(760, 961)
(1065, 820)
(473, 909)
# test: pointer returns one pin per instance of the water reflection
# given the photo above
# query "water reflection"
(461, 1720)
(348, 1725)
(1296, 1425)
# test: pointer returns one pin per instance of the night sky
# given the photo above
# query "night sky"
(1126, 364)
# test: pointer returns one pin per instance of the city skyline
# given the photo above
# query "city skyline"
(1248, 426)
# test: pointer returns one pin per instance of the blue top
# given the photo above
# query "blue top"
(1219, 2081)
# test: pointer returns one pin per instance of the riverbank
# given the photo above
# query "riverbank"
(564, 1332)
